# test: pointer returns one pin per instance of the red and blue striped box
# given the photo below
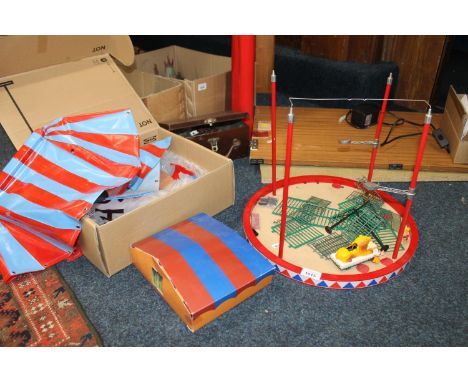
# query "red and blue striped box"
(201, 268)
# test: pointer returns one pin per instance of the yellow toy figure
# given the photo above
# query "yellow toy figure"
(406, 233)
(357, 248)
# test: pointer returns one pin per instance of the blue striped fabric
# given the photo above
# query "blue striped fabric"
(151, 161)
(48, 216)
(54, 242)
(116, 123)
(25, 174)
(72, 163)
(112, 155)
(254, 261)
(16, 258)
(212, 277)
(66, 226)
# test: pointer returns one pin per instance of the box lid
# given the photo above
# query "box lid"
(207, 262)
(30, 99)
(24, 53)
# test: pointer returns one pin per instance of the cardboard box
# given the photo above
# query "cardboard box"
(206, 77)
(49, 79)
(201, 268)
(453, 123)
(164, 97)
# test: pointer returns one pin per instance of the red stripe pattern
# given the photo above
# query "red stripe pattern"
(207, 262)
(49, 185)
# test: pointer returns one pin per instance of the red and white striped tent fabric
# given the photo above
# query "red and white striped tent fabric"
(52, 182)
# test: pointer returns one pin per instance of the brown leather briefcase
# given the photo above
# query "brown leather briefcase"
(224, 133)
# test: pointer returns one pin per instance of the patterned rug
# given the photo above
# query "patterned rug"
(39, 309)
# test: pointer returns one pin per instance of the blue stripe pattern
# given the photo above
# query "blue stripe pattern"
(47, 216)
(212, 277)
(254, 261)
(116, 123)
(56, 243)
(26, 175)
(72, 163)
(16, 258)
(110, 154)
(149, 160)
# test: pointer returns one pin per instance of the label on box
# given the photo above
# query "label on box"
(316, 275)
(202, 86)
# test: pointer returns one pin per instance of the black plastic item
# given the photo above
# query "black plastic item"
(364, 115)
(439, 136)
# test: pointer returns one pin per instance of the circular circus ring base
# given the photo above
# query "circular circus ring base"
(335, 279)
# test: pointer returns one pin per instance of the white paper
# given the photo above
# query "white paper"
(464, 102)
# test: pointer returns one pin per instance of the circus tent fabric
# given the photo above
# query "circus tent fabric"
(53, 180)
(207, 262)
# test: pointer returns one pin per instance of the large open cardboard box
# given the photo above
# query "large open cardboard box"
(453, 123)
(164, 97)
(55, 76)
(206, 77)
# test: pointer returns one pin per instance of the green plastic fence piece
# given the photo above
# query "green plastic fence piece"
(301, 238)
(293, 205)
(363, 222)
(292, 226)
(316, 216)
(319, 202)
(388, 236)
(327, 245)
(313, 211)
(392, 218)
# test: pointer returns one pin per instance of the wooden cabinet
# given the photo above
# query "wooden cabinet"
(418, 57)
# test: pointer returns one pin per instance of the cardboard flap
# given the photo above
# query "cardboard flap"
(20, 54)
(88, 85)
(457, 113)
(190, 64)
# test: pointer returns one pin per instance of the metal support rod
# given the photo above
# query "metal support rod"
(378, 130)
(383, 247)
(273, 132)
(329, 229)
(5, 85)
(291, 99)
(287, 168)
(414, 179)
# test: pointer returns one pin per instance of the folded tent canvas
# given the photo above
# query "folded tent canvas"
(52, 182)
(72, 75)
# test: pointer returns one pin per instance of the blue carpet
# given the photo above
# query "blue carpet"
(426, 306)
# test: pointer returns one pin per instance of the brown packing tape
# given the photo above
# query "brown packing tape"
(190, 105)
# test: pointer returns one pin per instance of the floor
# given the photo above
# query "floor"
(425, 306)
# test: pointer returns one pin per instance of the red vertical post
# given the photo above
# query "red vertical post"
(273, 132)
(287, 168)
(379, 127)
(235, 73)
(243, 86)
(414, 179)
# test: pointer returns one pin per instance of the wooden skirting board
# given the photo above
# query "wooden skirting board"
(316, 136)
(380, 175)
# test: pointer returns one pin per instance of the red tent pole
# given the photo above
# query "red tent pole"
(287, 168)
(273, 132)
(379, 127)
(414, 179)
(235, 73)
